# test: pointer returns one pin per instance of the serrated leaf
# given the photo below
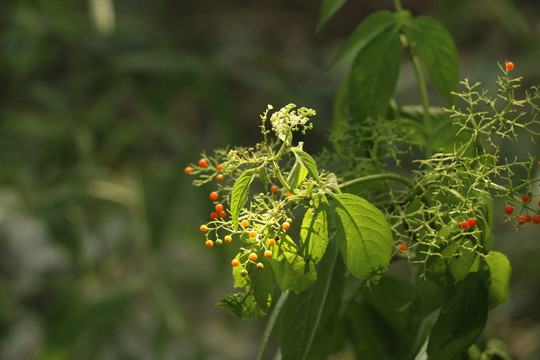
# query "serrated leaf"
(374, 75)
(314, 230)
(438, 53)
(302, 312)
(328, 8)
(364, 33)
(291, 270)
(364, 236)
(297, 175)
(460, 321)
(243, 305)
(306, 161)
(500, 273)
(239, 194)
(263, 177)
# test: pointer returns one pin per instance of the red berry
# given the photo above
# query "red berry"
(219, 177)
(509, 66)
(526, 198)
(219, 207)
(219, 167)
(464, 225)
(204, 228)
(214, 215)
(288, 193)
(521, 219)
(235, 262)
(536, 219)
(209, 243)
(402, 248)
(472, 222)
(222, 214)
(508, 209)
(267, 254)
(203, 163)
(188, 170)
(274, 189)
(214, 195)
(528, 218)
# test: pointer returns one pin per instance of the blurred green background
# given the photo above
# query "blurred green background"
(102, 105)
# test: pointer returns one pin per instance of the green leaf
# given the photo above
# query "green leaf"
(243, 305)
(369, 29)
(500, 273)
(364, 236)
(297, 175)
(374, 75)
(460, 321)
(314, 230)
(239, 194)
(302, 312)
(497, 349)
(328, 8)
(438, 53)
(459, 257)
(306, 161)
(291, 270)
(263, 177)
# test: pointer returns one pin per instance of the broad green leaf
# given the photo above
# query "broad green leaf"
(500, 272)
(302, 312)
(314, 230)
(297, 175)
(263, 177)
(291, 270)
(306, 161)
(374, 75)
(460, 321)
(243, 305)
(438, 53)
(328, 8)
(459, 258)
(239, 194)
(364, 33)
(364, 236)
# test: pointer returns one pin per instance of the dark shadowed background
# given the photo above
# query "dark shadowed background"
(102, 105)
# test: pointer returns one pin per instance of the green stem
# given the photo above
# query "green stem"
(280, 178)
(384, 176)
(271, 323)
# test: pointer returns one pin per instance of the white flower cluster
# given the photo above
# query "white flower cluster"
(287, 120)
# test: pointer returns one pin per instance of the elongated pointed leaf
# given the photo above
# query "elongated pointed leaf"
(500, 272)
(314, 230)
(438, 53)
(364, 236)
(328, 8)
(374, 76)
(368, 29)
(239, 194)
(297, 175)
(306, 161)
(302, 312)
(460, 321)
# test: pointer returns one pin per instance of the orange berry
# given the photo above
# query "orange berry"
(274, 189)
(402, 248)
(244, 223)
(267, 254)
(188, 170)
(204, 228)
(271, 242)
(235, 262)
(219, 207)
(214, 195)
(288, 193)
(252, 256)
(227, 239)
(214, 215)
(509, 66)
(222, 214)
(209, 243)
(219, 177)
(286, 226)
(203, 163)
(219, 167)
(253, 234)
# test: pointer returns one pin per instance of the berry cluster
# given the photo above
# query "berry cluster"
(525, 207)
